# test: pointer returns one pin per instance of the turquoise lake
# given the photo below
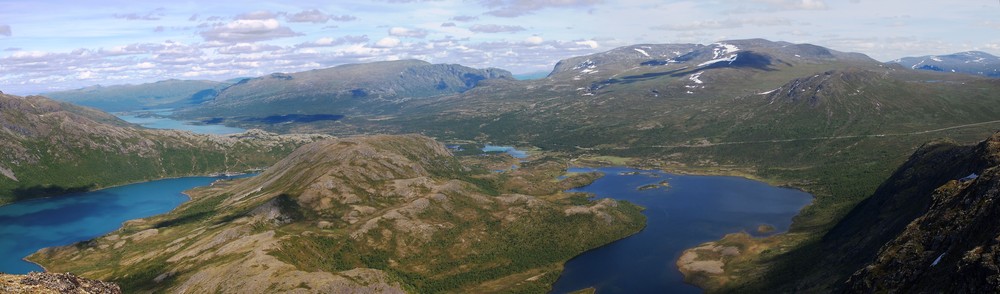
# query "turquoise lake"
(506, 149)
(157, 121)
(27, 226)
(693, 210)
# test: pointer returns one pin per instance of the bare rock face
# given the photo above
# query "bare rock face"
(54, 283)
(953, 246)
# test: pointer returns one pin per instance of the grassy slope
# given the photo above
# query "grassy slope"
(53, 148)
(484, 239)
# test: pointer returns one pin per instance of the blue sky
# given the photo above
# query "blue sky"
(53, 45)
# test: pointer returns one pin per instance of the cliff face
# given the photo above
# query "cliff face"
(54, 283)
(363, 214)
(953, 245)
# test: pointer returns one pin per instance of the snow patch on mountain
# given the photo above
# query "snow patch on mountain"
(768, 92)
(641, 51)
(723, 49)
(695, 77)
(729, 59)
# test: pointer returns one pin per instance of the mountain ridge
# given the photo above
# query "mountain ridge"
(340, 89)
(169, 93)
(968, 62)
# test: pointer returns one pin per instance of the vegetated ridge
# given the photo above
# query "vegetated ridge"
(342, 90)
(50, 148)
(362, 214)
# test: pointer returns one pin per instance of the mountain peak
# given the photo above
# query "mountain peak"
(968, 62)
(692, 56)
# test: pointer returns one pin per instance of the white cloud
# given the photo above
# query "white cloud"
(245, 48)
(514, 8)
(145, 65)
(795, 4)
(5, 30)
(589, 43)
(387, 42)
(407, 32)
(83, 75)
(493, 28)
(329, 41)
(156, 14)
(248, 30)
(728, 23)
(313, 16)
(534, 40)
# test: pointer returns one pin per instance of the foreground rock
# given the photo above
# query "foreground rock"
(61, 283)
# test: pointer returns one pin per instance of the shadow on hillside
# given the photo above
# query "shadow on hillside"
(39, 191)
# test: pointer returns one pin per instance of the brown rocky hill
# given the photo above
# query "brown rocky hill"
(363, 214)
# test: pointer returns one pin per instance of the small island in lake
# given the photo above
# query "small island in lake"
(662, 184)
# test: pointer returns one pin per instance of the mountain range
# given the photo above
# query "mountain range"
(158, 95)
(349, 213)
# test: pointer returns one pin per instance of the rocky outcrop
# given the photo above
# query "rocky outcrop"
(953, 246)
(54, 283)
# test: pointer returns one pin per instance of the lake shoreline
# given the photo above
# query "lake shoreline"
(215, 175)
(632, 176)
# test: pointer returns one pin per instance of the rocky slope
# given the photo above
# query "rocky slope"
(162, 94)
(366, 214)
(54, 283)
(952, 244)
(343, 90)
(972, 62)
(48, 147)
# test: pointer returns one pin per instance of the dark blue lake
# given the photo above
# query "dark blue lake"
(27, 226)
(693, 210)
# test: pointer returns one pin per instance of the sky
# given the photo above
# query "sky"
(50, 45)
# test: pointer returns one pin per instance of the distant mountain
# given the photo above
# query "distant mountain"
(50, 148)
(738, 90)
(378, 214)
(162, 94)
(342, 90)
(971, 62)
(753, 53)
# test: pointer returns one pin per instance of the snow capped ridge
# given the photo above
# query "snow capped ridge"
(730, 59)
(723, 49)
